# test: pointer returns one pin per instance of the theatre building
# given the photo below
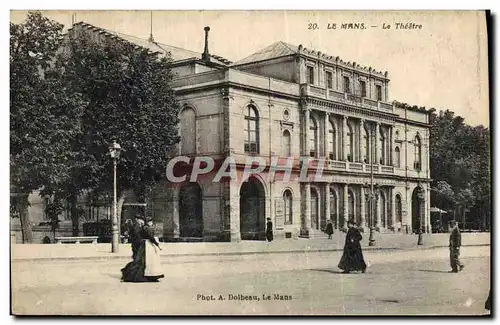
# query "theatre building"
(291, 101)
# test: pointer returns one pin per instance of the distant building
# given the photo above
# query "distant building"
(289, 101)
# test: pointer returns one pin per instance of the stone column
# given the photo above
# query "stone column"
(306, 209)
(363, 209)
(326, 135)
(361, 132)
(393, 208)
(344, 138)
(376, 143)
(391, 148)
(377, 211)
(234, 213)
(305, 136)
(327, 201)
(346, 205)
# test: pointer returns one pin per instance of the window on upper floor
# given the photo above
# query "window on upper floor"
(286, 143)
(187, 130)
(366, 146)
(362, 86)
(379, 92)
(417, 164)
(313, 137)
(347, 85)
(382, 146)
(350, 143)
(310, 75)
(331, 141)
(329, 80)
(251, 130)
(397, 157)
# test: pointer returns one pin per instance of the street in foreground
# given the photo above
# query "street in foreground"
(397, 283)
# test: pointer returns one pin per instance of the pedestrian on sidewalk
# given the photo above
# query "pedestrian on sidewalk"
(134, 234)
(145, 267)
(329, 229)
(455, 243)
(352, 258)
(269, 230)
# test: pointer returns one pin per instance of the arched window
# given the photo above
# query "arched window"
(417, 165)
(287, 206)
(382, 143)
(366, 146)
(313, 137)
(397, 157)
(399, 209)
(251, 130)
(331, 140)
(396, 136)
(350, 143)
(187, 130)
(286, 143)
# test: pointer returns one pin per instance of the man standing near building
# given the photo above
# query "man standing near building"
(455, 243)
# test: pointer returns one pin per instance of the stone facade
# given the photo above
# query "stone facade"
(345, 128)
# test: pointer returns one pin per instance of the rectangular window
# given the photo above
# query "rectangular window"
(362, 85)
(310, 75)
(379, 92)
(329, 80)
(347, 88)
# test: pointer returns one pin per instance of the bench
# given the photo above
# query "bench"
(77, 240)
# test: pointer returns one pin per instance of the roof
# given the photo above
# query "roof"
(282, 49)
(177, 53)
(273, 51)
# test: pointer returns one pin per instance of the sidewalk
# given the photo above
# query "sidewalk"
(103, 251)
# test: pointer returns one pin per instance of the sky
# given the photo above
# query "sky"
(444, 64)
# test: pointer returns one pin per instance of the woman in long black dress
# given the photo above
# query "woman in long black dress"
(352, 259)
(145, 267)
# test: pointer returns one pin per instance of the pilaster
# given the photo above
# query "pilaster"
(344, 138)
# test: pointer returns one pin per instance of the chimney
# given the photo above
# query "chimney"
(206, 55)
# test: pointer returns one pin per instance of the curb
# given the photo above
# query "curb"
(163, 256)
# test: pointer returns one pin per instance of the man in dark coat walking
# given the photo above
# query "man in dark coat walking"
(455, 243)
(269, 230)
(329, 229)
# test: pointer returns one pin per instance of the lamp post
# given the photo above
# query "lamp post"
(114, 152)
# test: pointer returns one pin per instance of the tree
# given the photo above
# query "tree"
(129, 99)
(42, 112)
(53, 211)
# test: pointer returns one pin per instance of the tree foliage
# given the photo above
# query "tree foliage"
(71, 96)
(42, 112)
(130, 100)
(460, 167)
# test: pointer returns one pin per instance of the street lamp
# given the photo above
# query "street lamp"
(114, 152)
